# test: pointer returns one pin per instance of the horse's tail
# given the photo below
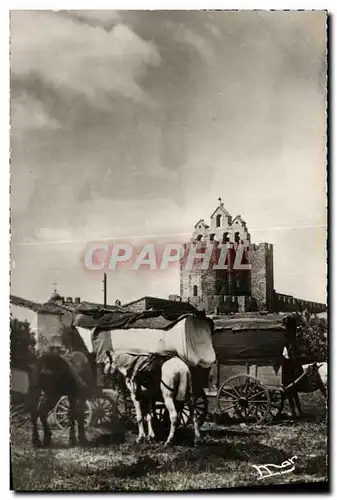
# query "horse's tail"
(177, 379)
(184, 386)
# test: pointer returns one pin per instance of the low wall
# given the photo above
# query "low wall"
(288, 303)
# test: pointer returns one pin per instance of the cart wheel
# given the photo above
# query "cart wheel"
(201, 408)
(245, 399)
(104, 409)
(277, 399)
(126, 409)
(19, 415)
(61, 413)
(161, 415)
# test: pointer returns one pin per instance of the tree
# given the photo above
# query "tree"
(22, 344)
(312, 336)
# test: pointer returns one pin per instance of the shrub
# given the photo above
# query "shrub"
(22, 342)
(312, 336)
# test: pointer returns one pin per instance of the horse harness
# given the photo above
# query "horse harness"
(145, 371)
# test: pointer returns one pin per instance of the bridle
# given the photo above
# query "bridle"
(112, 367)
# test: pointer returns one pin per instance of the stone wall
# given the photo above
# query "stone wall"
(175, 298)
(203, 279)
(48, 328)
(215, 304)
(208, 282)
(288, 303)
(251, 290)
(156, 303)
(137, 306)
(246, 304)
(260, 281)
(262, 275)
(189, 279)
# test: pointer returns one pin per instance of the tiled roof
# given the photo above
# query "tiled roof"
(162, 303)
(60, 308)
(256, 321)
(28, 304)
(201, 221)
(223, 210)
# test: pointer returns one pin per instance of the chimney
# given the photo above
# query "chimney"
(69, 300)
(77, 300)
(175, 298)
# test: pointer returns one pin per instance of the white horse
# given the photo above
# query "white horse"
(174, 385)
(321, 378)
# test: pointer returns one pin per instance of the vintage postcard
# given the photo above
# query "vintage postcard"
(169, 317)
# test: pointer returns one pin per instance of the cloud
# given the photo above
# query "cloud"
(193, 39)
(79, 58)
(105, 19)
(22, 187)
(28, 113)
(158, 112)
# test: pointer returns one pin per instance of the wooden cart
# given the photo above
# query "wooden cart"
(252, 342)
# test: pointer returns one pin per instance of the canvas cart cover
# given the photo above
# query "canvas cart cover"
(260, 339)
(189, 337)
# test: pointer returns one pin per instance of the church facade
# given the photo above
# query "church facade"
(232, 289)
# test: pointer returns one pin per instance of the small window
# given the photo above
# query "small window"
(195, 291)
(237, 237)
(211, 237)
(225, 238)
(218, 220)
(199, 237)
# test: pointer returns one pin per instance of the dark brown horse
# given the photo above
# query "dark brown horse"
(54, 375)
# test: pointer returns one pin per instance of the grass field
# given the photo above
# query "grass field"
(224, 460)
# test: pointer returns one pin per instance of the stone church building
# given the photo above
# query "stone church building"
(231, 289)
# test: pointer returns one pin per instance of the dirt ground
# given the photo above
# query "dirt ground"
(225, 459)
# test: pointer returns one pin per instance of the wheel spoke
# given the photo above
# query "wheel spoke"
(263, 406)
(236, 391)
(252, 398)
(16, 413)
(62, 412)
(230, 395)
(62, 415)
(252, 388)
(246, 386)
(65, 417)
(61, 420)
(229, 407)
(63, 405)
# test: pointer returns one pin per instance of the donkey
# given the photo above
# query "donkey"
(292, 369)
(173, 386)
(52, 376)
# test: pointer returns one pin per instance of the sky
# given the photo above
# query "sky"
(133, 123)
